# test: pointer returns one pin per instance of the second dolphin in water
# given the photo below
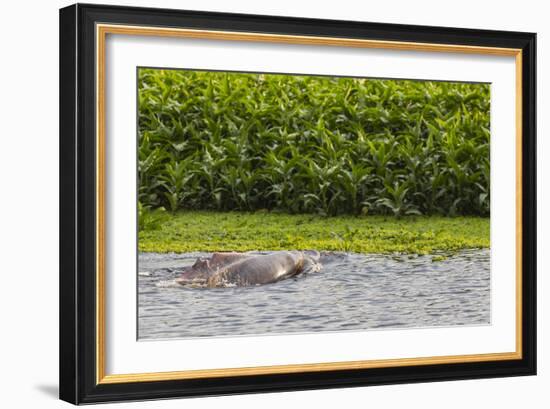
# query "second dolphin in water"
(246, 269)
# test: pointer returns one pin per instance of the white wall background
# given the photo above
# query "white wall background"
(29, 202)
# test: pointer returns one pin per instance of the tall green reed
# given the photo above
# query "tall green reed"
(309, 144)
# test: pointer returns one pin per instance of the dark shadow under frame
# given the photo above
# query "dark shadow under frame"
(78, 198)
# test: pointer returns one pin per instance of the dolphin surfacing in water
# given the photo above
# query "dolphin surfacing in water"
(246, 269)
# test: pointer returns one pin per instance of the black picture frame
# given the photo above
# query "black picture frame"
(78, 236)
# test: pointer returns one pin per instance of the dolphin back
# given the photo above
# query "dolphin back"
(261, 269)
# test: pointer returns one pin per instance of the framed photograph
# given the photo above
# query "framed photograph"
(257, 203)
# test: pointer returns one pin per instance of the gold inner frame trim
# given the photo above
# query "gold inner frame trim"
(282, 369)
(101, 33)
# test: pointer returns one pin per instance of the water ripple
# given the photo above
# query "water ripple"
(351, 292)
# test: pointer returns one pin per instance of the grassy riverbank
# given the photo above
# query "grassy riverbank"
(240, 231)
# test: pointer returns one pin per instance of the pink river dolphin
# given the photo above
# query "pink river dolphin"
(246, 269)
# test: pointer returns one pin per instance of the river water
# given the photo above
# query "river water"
(351, 292)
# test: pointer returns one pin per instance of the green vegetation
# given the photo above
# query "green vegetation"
(241, 231)
(317, 145)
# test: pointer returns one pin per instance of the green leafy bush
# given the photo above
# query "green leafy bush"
(309, 144)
